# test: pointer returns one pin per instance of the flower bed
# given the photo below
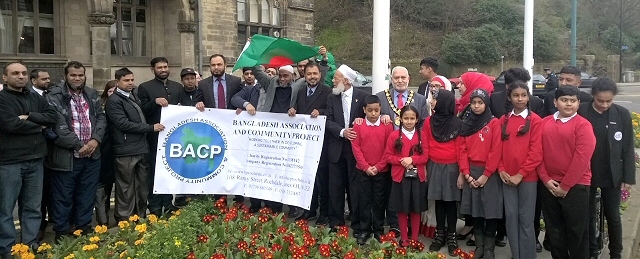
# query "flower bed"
(635, 120)
(205, 229)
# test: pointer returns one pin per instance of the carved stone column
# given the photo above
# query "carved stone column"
(101, 48)
(187, 28)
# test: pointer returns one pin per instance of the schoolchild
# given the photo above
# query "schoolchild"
(481, 154)
(444, 179)
(521, 155)
(371, 169)
(408, 157)
(566, 172)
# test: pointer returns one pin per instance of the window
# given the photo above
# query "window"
(129, 33)
(26, 26)
(257, 17)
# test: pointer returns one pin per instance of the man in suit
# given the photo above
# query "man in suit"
(154, 94)
(218, 89)
(312, 100)
(500, 105)
(343, 106)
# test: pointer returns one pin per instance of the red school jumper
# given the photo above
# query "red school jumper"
(393, 158)
(442, 153)
(484, 148)
(568, 148)
(522, 154)
(369, 145)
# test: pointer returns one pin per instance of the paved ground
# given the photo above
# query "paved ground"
(628, 97)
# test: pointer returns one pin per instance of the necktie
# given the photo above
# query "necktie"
(345, 108)
(400, 101)
(221, 100)
(310, 92)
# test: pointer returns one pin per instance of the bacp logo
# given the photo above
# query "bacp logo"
(195, 149)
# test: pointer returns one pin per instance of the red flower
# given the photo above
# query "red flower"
(255, 236)
(203, 238)
(282, 230)
(218, 256)
(207, 218)
(242, 245)
(268, 256)
(401, 251)
(325, 250)
(265, 210)
(263, 218)
(350, 255)
(191, 255)
(262, 250)
(276, 247)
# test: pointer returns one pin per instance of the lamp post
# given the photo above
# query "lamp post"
(527, 57)
(574, 21)
(620, 27)
(380, 65)
(501, 64)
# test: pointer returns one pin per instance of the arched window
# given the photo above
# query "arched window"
(257, 17)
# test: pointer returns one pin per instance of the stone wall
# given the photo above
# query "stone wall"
(299, 21)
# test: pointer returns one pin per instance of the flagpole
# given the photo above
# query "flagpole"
(527, 57)
(381, 23)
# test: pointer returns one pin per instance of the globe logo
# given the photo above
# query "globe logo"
(195, 150)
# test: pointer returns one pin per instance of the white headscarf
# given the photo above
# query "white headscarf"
(348, 73)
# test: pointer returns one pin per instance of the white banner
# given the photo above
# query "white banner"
(269, 156)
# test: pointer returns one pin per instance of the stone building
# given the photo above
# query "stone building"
(108, 34)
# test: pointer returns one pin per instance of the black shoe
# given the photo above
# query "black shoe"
(501, 242)
(322, 221)
(438, 242)
(294, 212)
(308, 215)
(538, 247)
(254, 210)
(362, 238)
(452, 243)
(471, 242)
(546, 245)
(464, 236)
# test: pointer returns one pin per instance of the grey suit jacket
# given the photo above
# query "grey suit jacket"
(269, 85)
(419, 102)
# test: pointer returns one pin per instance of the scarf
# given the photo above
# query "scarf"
(471, 122)
(473, 81)
(445, 125)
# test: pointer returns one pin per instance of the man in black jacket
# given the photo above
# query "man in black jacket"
(154, 94)
(343, 106)
(191, 94)
(128, 128)
(552, 80)
(23, 114)
(568, 76)
(74, 157)
(312, 100)
(612, 164)
(500, 104)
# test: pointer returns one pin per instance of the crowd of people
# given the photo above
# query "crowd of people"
(501, 159)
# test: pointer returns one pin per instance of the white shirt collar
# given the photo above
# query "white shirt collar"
(563, 120)
(523, 114)
(348, 93)
(125, 93)
(409, 134)
(37, 90)
(377, 123)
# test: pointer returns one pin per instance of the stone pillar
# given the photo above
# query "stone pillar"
(613, 67)
(187, 44)
(101, 48)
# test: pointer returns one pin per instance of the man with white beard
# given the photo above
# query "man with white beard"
(343, 107)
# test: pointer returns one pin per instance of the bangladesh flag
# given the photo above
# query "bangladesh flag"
(272, 52)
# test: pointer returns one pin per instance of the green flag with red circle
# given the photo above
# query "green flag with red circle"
(272, 52)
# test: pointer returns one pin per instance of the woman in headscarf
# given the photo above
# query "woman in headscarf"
(442, 131)
(480, 157)
(469, 82)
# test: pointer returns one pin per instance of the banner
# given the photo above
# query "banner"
(269, 156)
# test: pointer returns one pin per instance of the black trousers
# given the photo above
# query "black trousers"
(538, 212)
(342, 179)
(320, 197)
(45, 208)
(159, 204)
(610, 205)
(372, 202)
(391, 216)
(566, 223)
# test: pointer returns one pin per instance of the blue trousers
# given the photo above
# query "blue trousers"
(21, 183)
(73, 194)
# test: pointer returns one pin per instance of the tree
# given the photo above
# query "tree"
(474, 45)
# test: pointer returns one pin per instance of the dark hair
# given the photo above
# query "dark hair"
(371, 99)
(105, 93)
(603, 84)
(398, 144)
(122, 72)
(224, 60)
(311, 64)
(73, 64)
(157, 60)
(6, 67)
(35, 74)
(571, 70)
(430, 62)
(567, 91)
(245, 69)
(516, 74)
(513, 86)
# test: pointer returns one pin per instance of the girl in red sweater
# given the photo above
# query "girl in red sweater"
(408, 158)
(445, 180)
(521, 155)
(481, 155)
